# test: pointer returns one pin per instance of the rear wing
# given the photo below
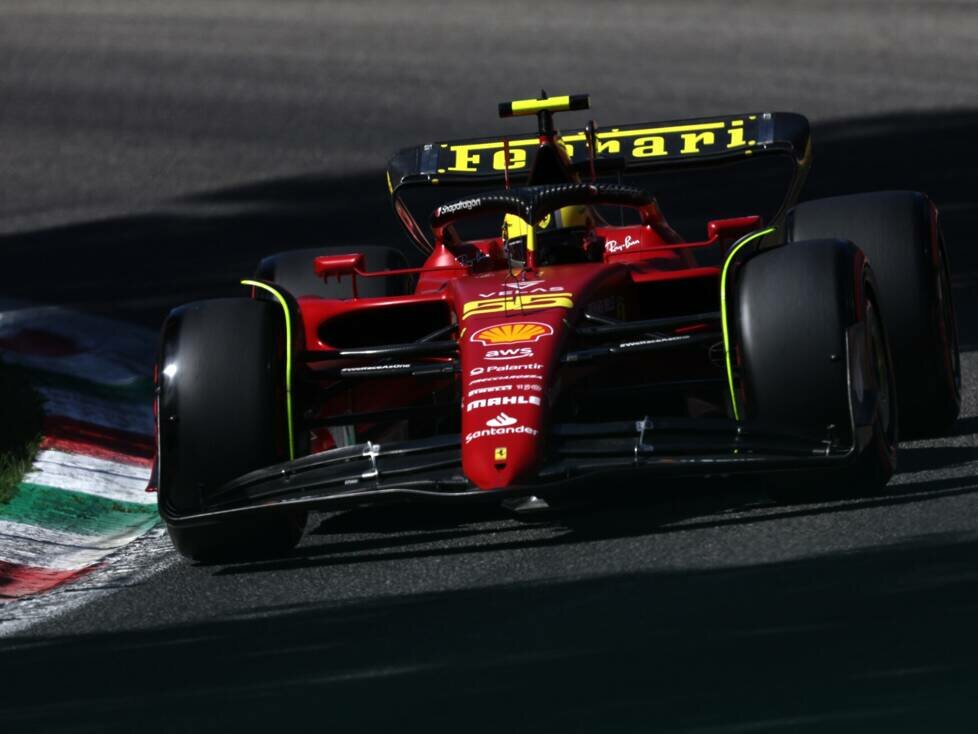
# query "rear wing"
(636, 146)
(643, 146)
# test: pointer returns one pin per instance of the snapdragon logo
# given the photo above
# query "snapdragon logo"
(467, 205)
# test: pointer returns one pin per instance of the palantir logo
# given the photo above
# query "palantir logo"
(501, 421)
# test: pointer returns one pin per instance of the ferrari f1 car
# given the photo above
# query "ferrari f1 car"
(561, 330)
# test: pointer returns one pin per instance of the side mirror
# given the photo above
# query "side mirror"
(338, 265)
(721, 229)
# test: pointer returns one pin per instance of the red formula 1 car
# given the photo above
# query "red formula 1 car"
(561, 330)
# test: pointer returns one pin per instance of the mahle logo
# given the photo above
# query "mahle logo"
(499, 402)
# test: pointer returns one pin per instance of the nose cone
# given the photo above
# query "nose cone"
(506, 364)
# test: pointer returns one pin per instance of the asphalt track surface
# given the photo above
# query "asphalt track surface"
(152, 153)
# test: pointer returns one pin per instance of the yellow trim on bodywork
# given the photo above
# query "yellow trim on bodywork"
(288, 356)
(532, 106)
(723, 310)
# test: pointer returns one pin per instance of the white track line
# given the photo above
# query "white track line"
(89, 475)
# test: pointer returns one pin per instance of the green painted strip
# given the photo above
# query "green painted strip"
(288, 356)
(737, 246)
(138, 391)
(62, 509)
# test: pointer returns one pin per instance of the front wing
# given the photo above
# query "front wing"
(431, 469)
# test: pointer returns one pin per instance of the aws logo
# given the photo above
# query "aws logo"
(522, 302)
(512, 353)
(522, 331)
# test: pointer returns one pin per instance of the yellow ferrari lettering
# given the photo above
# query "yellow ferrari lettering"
(517, 159)
(523, 302)
(637, 144)
(649, 147)
(464, 161)
(666, 130)
(692, 141)
(736, 135)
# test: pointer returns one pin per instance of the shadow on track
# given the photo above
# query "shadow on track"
(441, 532)
(874, 640)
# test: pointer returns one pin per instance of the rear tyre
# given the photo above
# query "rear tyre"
(807, 324)
(900, 235)
(293, 271)
(221, 414)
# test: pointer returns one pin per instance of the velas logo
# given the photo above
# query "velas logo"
(521, 331)
(532, 287)
(501, 421)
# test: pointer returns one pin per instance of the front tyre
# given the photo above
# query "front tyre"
(814, 357)
(222, 413)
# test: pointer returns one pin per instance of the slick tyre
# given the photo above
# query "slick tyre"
(902, 239)
(222, 413)
(293, 271)
(809, 324)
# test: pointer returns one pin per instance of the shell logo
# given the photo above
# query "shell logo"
(523, 331)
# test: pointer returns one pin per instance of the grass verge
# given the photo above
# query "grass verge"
(20, 427)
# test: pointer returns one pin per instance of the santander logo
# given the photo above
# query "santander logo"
(501, 421)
